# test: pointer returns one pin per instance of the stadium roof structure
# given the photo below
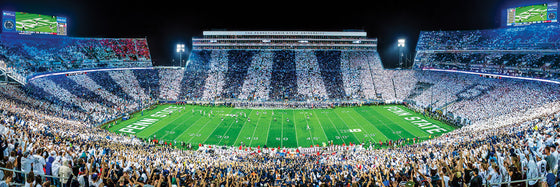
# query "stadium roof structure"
(284, 33)
(281, 40)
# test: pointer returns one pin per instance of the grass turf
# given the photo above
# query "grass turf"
(279, 127)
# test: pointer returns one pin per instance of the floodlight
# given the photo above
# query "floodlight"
(401, 42)
(180, 48)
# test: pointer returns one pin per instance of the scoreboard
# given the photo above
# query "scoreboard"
(532, 14)
(29, 23)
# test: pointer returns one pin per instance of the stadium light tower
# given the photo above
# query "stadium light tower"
(180, 50)
(401, 42)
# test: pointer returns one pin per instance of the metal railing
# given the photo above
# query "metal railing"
(526, 181)
(25, 176)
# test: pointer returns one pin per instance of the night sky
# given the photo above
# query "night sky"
(166, 23)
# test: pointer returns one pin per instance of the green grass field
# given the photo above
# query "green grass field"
(282, 127)
(35, 22)
(531, 13)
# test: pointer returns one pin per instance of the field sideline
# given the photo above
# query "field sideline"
(279, 127)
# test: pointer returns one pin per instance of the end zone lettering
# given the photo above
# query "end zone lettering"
(425, 124)
(145, 122)
(422, 123)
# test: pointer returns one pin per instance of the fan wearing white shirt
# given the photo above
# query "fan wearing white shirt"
(532, 172)
(39, 164)
(494, 176)
(26, 162)
(541, 166)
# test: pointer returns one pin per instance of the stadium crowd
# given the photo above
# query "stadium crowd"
(256, 84)
(27, 56)
(533, 37)
(320, 77)
(529, 51)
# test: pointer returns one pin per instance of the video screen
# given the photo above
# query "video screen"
(28, 23)
(526, 15)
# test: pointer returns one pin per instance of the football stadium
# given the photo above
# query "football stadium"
(281, 107)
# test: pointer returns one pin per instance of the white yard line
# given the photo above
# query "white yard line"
(295, 128)
(327, 137)
(254, 130)
(248, 115)
(368, 132)
(345, 124)
(268, 130)
(337, 131)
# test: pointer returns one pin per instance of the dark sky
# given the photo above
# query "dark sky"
(166, 23)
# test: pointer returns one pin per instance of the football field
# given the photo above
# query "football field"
(279, 127)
